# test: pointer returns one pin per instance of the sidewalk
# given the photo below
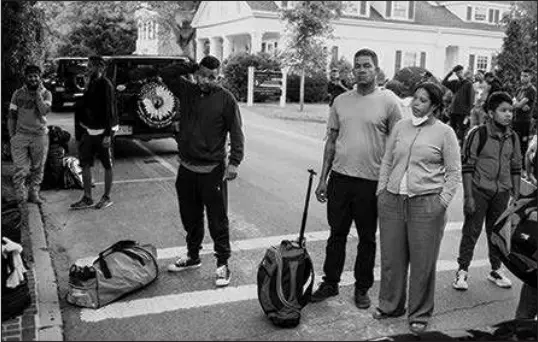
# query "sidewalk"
(42, 319)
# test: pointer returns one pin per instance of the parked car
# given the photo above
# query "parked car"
(67, 84)
(146, 106)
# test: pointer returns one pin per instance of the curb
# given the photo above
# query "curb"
(49, 316)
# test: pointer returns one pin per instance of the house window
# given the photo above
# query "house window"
(409, 59)
(350, 7)
(263, 46)
(400, 9)
(355, 8)
(480, 13)
(334, 54)
(482, 63)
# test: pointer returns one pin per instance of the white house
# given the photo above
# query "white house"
(433, 34)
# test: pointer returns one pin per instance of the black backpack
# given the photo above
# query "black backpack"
(515, 236)
(482, 132)
(286, 276)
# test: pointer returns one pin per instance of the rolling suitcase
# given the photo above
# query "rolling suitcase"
(286, 276)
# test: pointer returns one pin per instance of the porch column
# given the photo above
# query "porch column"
(226, 47)
(255, 42)
(213, 46)
(199, 49)
(463, 57)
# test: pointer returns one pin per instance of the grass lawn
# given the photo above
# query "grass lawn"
(311, 112)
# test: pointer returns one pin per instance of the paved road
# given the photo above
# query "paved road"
(265, 206)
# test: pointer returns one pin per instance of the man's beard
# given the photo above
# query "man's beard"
(32, 86)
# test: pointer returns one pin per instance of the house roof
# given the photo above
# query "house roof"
(425, 15)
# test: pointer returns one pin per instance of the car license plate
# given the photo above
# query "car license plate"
(78, 94)
(125, 130)
(69, 104)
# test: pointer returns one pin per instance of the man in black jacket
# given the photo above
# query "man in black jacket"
(208, 114)
(95, 123)
(463, 99)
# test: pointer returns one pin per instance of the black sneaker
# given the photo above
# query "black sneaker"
(183, 264)
(362, 300)
(324, 291)
(104, 202)
(83, 203)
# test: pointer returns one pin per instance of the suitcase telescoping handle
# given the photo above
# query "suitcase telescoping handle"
(307, 202)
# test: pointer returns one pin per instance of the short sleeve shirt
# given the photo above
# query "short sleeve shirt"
(364, 123)
(28, 118)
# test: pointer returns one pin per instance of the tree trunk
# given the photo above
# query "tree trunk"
(301, 91)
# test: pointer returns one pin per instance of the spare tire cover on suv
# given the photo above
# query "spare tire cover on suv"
(156, 104)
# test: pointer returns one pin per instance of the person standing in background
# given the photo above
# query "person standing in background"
(462, 101)
(27, 125)
(96, 121)
(524, 103)
(335, 86)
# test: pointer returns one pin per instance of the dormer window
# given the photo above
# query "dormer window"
(481, 14)
(400, 10)
(286, 4)
(356, 8)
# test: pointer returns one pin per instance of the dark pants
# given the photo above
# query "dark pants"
(488, 206)
(411, 230)
(523, 129)
(197, 191)
(351, 199)
(456, 122)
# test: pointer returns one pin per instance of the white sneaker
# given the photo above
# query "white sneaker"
(499, 279)
(223, 276)
(460, 283)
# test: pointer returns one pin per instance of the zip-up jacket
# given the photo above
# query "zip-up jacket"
(499, 159)
(429, 153)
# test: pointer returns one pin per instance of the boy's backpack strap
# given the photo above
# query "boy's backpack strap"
(482, 136)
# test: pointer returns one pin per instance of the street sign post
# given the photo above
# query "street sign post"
(267, 82)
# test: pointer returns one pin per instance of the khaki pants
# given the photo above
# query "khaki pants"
(411, 230)
(29, 153)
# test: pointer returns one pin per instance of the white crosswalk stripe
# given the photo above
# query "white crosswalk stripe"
(252, 244)
(198, 299)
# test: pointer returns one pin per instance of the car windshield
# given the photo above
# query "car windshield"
(131, 72)
(67, 67)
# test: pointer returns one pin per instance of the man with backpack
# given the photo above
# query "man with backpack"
(491, 168)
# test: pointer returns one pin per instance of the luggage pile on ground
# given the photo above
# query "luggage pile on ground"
(61, 171)
(15, 290)
(121, 269)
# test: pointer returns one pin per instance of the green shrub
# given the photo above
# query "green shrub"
(315, 90)
(235, 70)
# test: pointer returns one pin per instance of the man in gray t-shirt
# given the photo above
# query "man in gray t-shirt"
(359, 125)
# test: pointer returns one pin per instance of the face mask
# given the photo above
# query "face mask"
(417, 121)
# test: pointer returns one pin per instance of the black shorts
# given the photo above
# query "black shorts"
(91, 145)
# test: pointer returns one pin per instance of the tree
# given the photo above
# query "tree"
(64, 17)
(22, 44)
(520, 45)
(308, 26)
(101, 35)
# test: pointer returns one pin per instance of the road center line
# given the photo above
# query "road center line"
(252, 244)
(189, 300)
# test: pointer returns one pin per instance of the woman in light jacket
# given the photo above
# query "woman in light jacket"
(419, 176)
